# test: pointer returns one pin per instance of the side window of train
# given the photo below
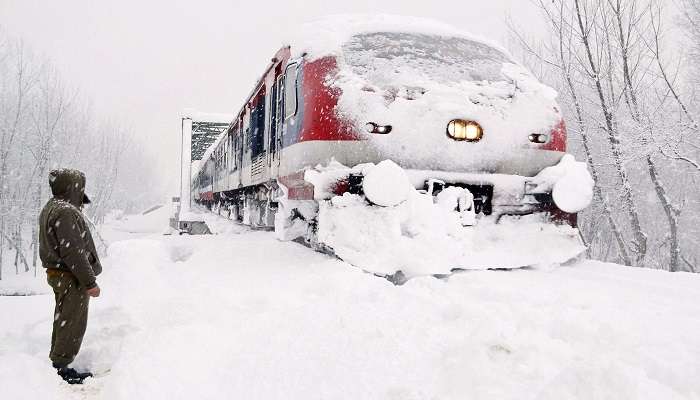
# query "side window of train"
(257, 123)
(290, 90)
(232, 151)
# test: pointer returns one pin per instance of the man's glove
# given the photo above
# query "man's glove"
(94, 291)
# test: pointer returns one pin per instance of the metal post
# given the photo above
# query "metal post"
(179, 205)
(186, 222)
(185, 165)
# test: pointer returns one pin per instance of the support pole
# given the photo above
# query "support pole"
(186, 166)
(186, 222)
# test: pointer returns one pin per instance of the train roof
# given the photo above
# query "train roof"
(491, 80)
(327, 35)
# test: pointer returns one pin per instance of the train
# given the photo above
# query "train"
(445, 106)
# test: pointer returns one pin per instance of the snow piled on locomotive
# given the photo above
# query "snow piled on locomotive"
(436, 204)
(417, 75)
(390, 226)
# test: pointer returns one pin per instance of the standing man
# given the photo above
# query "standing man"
(69, 256)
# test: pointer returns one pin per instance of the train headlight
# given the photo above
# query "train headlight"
(538, 138)
(459, 129)
(371, 127)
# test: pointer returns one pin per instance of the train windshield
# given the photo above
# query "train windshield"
(382, 56)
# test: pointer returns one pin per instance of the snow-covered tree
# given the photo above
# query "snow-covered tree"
(45, 124)
(631, 120)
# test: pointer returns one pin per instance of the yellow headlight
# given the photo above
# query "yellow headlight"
(459, 129)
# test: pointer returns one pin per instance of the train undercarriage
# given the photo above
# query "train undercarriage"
(446, 224)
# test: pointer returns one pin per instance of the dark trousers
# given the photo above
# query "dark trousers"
(70, 317)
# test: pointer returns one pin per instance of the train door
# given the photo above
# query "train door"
(257, 136)
(231, 157)
(228, 167)
(246, 158)
(239, 150)
(290, 102)
(276, 121)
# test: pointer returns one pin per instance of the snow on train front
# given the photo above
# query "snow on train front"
(401, 144)
(461, 155)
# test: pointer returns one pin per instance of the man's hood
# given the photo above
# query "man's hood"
(69, 185)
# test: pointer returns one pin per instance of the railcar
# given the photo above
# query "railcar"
(450, 109)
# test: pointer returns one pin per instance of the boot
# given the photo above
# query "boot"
(72, 376)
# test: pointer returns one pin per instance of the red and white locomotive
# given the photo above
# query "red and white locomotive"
(445, 106)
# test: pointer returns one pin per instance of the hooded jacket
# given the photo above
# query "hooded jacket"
(65, 242)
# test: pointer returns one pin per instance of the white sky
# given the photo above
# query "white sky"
(145, 61)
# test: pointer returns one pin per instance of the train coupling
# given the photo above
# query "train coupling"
(459, 197)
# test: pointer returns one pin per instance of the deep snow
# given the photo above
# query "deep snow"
(242, 315)
(394, 227)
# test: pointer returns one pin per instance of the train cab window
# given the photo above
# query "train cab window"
(290, 91)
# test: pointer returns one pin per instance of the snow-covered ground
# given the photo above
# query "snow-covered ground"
(242, 315)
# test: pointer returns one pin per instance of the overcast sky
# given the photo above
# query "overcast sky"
(145, 61)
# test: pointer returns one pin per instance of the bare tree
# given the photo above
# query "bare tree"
(46, 124)
(585, 13)
(634, 124)
(16, 82)
(628, 33)
(563, 62)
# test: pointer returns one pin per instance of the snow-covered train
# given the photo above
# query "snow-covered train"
(449, 109)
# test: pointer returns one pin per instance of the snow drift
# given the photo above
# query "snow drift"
(394, 227)
(246, 316)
